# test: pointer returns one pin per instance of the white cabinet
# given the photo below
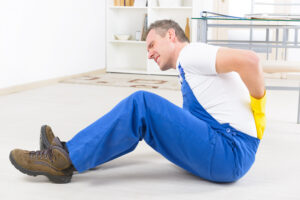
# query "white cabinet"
(130, 56)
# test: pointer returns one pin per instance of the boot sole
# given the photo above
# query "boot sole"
(53, 178)
(44, 143)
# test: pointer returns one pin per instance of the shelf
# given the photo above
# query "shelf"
(172, 8)
(127, 70)
(127, 7)
(131, 56)
(170, 72)
(156, 8)
(127, 42)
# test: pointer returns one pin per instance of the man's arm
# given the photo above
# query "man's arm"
(246, 64)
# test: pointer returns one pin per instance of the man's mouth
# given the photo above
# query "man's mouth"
(156, 59)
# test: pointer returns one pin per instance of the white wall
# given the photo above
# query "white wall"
(44, 39)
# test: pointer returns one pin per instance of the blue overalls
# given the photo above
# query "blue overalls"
(190, 137)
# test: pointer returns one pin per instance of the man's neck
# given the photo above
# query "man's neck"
(180, 46)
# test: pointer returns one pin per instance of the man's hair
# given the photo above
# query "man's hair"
(162, 26)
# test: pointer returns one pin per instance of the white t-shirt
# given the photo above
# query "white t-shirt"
(224, 96)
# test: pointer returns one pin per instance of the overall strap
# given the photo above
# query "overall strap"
(197, 109)
(181, 71)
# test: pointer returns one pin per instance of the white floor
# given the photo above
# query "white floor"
(142, 174)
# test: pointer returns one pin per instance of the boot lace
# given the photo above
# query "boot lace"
(43, 154)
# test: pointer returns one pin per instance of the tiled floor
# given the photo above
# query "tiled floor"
(142, 174)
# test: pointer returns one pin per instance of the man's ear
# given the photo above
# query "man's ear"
(171, 34)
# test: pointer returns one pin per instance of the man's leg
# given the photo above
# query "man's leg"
(175, 133)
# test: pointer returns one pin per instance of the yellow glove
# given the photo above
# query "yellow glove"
(258, 107)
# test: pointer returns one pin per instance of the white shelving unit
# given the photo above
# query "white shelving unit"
(130, 56)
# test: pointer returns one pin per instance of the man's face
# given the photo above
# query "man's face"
(160, 49)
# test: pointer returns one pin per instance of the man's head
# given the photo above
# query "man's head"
(165, 39)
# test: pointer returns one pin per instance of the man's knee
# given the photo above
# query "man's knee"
(140, 95)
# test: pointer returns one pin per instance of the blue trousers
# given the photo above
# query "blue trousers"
(215, 154)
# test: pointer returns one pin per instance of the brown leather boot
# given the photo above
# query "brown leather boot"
(46, 138)
(53, 162)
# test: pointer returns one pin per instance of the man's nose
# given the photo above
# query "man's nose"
(150, 55)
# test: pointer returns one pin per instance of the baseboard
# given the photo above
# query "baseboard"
(37, 84)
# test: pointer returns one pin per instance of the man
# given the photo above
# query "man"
(214, 136)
